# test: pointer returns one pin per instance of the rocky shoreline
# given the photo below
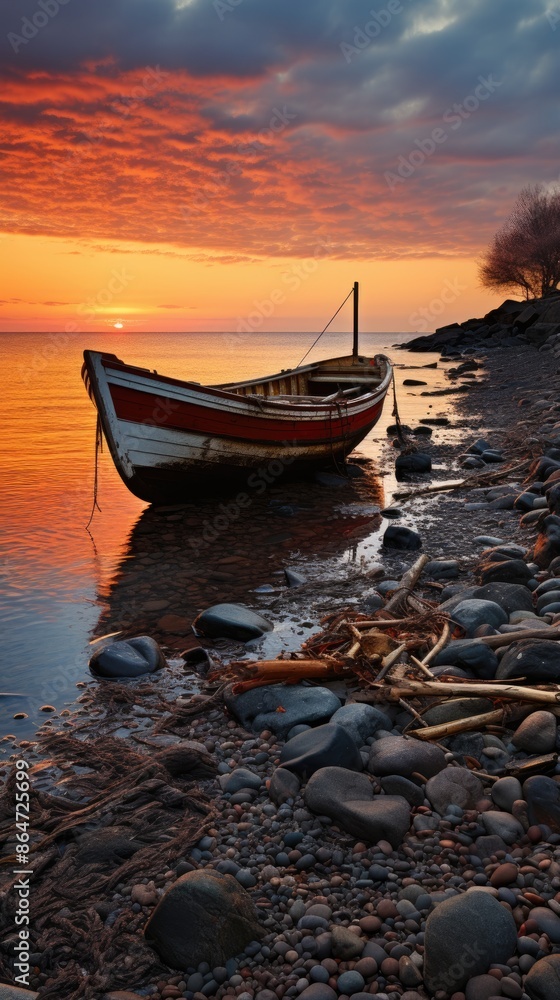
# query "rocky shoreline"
(290, 841)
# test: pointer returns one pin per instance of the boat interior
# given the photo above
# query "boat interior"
(326, 382)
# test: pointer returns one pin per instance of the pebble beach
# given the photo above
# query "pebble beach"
(192, 840)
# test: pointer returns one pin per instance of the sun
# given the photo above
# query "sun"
(118, 325)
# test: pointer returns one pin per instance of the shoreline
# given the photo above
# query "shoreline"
(229, 830)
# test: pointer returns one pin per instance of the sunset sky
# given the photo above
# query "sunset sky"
(204, 164)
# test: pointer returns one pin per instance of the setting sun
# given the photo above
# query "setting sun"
(118, 326)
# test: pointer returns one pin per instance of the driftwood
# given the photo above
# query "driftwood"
(470, 483)
(490, 689)
(445, 729)
(496, 641)
(407, 584)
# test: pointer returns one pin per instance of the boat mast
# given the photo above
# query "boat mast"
(356, 299)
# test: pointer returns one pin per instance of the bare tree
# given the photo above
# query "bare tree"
(525, 253)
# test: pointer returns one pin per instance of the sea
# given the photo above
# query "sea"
(54, 574)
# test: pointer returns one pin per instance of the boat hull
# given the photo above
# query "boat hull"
(172, 441)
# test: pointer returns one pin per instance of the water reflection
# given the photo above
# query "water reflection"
(181, 559)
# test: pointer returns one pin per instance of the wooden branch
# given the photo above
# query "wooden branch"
(440, 644)
(421, 666)
(495, 689)
(389, 660)
(505, 638)
(408, 583)
(440, 732)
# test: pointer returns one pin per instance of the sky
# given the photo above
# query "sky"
(237, 164)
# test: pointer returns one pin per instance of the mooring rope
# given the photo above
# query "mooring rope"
(316, 341)
(98, 448)
(400, 433)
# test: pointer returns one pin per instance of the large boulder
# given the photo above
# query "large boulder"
(324, 746)
(542, 795)
(204, 917)
(537, 733)
(465, 935)
(399, 537)
(510, 596)
(347, 797)
(279, 707)
(507, 571)
(127, 658)
(537, 660)
(232, 621)
(397, 755)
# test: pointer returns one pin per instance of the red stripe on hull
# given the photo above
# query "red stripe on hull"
(144, 407)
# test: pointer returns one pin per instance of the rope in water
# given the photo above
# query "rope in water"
(400, 432)
(98, 448)
(316, 341)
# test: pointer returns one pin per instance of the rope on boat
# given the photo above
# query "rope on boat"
(400, 432)
(316, 341)
(98, 448)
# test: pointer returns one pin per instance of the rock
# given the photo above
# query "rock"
(397, 755)
(398, 537)
(536, 659)
(542, 795)
(204, 917)
(471, 614)
(502, 825)
(547, 922)
(242, 777)
(537, 733)
(508, 571)
(231, 621)
(457, 708)
(347, 797)
(415, 463)
(510, 596)
(284, 785)
(317, 991)
(486, 846)
(470, 655)
(127, 658)
(504, 875)
(15, 993)
(345, 944)
(261, 708)
(454, 786)
(407, 381)
(294, 579)
(350, 982)
(547, 546)
(465, 935)
(550, 597)
(488, 540)
(482, 988)
(505, 792)
(442, 569)
(325, 746)
(393, 784)
(361, 721)
(543, 979)
(546, 585)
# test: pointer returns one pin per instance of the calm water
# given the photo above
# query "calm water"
(53, 575)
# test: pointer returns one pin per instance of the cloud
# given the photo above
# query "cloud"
(250, 131)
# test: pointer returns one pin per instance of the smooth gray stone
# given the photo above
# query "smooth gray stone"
(394, 784)
(347, 797)
(503, 825)
(454, 786)
(543, 979)
(549, 597)
(397, 755)
(505, 792)
(361, 721)
(294, 579)
(442, 569)
(542, 795)
(418, 462)
(284, 785)
(231, 621)
(506, 571)
(547, 922)
(203, 917)
(471, 614)
(324, 746)
(471, 655)
(127, 658)
(536, 659)
(510, 596)
(399, 537)
(240, 778)
(537, 733)
(302, 703)
(464, 936)
(457, 708)
(546, 585)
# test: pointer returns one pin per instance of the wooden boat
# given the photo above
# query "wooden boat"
(171, 440)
